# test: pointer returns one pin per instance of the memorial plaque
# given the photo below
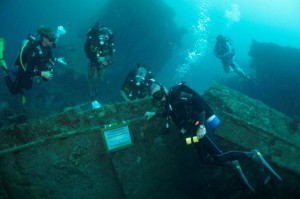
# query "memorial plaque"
(116, 138)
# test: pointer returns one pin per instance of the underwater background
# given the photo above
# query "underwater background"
(175, 38)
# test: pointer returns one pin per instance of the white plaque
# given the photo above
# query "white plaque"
(117, 138)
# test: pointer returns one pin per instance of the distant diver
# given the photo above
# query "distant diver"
(136, 84)
(99, 49)
(224, 50)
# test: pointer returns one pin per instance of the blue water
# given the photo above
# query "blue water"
(265, 21)
(175, 38)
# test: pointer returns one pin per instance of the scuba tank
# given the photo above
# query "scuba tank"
(25, 44)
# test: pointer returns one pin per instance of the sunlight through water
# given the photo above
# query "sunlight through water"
(200, 35)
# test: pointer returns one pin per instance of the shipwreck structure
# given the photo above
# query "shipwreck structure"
(277, 72)
(114, 153)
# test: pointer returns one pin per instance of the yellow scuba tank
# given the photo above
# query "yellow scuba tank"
(25, 43)
(1, 48)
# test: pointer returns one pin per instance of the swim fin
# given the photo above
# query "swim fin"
(3, 66)
(1, 48)
(238, 167)
(259, 158)
(23, 100)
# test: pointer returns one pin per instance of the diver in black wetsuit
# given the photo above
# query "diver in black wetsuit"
(35, 60)
(99, 49)
(136, 84)
(196, 123)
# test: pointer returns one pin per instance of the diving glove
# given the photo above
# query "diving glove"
(201, 131)
(148, 115)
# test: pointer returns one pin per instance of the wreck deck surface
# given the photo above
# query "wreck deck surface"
(64, 155)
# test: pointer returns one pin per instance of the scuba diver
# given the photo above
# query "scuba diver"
(35, 60)
(196, 123)
(224, 50)
(99, 49)
(136, 84)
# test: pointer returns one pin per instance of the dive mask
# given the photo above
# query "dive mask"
(158, 95)
(103, 39)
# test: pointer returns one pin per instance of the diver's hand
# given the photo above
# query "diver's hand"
(201, 131)
(61, 60)
(47, 74)
(108, 59)
(105, 61)
(101, 59)
(149, 115)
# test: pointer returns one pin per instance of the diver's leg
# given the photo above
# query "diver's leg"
(226, 66)
(238, 70)
(219, 156)
(95, 86)
(4, 67)
(210, 153)
(207, 147)
(10, 85)
(99, 78)
(15, 87)
(91, 74)
(27, 84)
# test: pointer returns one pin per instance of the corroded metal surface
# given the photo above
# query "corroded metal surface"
(251, 124)
(64, 154)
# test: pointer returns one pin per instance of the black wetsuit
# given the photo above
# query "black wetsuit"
(188, 110)
(35, 59)
(94, 49)
(132, 89)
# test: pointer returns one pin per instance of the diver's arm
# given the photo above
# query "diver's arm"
(37, 71)
(199, 107)
(32, 59)
(92, 56)
(47, 74)
(87, 47)
(124, 96)
(148, 115)
(109, 55)
(199, 115)
(60, 60)
(127, 86)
